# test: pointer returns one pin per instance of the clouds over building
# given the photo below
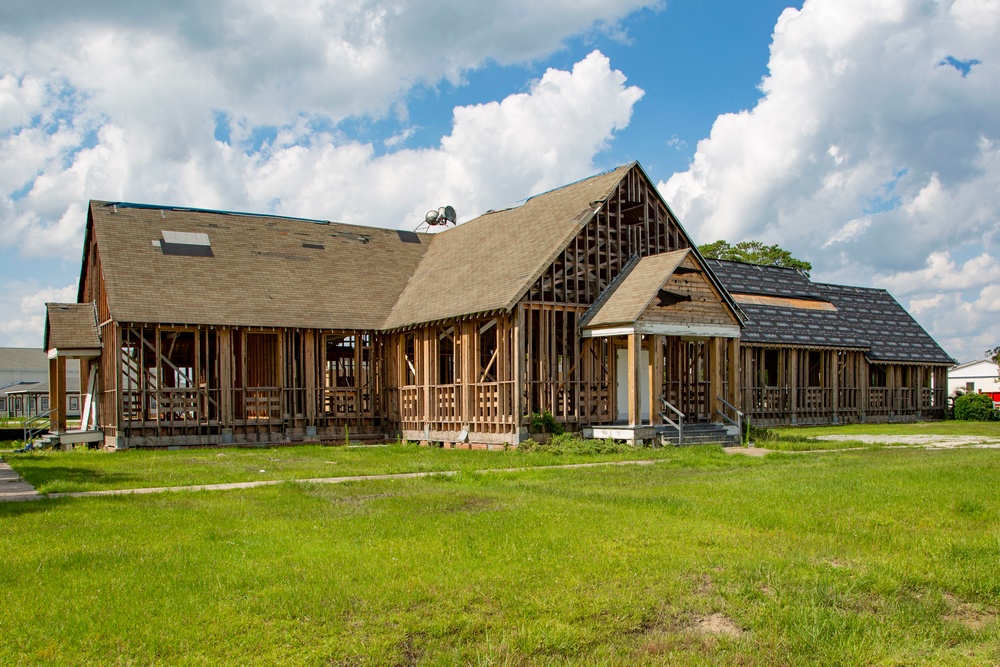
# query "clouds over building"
(873, 152)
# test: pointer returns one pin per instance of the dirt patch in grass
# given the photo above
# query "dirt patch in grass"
(967, 614)
(718, 624)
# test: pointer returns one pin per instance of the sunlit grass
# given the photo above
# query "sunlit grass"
(865, 557)
(90, 470)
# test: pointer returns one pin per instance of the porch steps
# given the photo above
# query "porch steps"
(699, 433)
(64, 440)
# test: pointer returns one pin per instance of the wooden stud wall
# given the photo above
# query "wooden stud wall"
(633, 222)
(841, 393)
(482, 397)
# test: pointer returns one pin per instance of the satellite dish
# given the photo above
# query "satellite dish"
(443, 216)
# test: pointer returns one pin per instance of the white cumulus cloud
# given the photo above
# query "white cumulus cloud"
(873, 152)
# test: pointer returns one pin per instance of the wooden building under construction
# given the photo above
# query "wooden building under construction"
(589, 302)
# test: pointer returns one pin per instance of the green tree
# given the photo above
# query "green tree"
(974, 407)
(754, 252)
(994, 354)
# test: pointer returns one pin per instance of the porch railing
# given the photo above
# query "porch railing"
(679, 424)
(36, 425)
(737, 418)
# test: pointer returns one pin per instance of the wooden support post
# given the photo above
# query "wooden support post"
(634, 392)
(715, 351)
(834, 382)
(734, 372)
(518, 366)
(57, 394)
(226, 377)
(655, 379)
(467, 363)
(429, 409)
(309, 369)
(793, 385)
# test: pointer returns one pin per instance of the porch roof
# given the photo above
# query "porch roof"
(71, 329)
(688, 304)
(633, 290)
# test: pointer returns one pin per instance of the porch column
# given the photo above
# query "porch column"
(225, 377)
(655, 379)
(835, 383)
(714, 377)
(634, 393)
(734, 372)
(57, 394)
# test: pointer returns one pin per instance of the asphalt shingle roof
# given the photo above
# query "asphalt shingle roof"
(865, 318)
(71, 326)
(262, 270)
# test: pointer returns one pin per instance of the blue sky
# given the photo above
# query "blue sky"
(862, 136)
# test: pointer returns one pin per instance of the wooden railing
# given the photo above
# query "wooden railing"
(490, 406)
(775, 405)
(570, 401)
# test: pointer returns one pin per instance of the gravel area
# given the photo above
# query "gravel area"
(938, 441)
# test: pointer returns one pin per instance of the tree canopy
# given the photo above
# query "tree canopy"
(754, 252)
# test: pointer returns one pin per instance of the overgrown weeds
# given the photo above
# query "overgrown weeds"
(570, 443)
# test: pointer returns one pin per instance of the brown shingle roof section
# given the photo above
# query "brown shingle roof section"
(71, 326)
(264, 271)
(625, 300)
(488, 263)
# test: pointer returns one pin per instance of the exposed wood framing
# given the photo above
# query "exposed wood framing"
(826, 385)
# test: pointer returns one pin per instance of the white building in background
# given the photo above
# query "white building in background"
(24, 378)
(974, 376)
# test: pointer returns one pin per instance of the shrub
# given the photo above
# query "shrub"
(567, 443)
(974, 407)
(545, 423)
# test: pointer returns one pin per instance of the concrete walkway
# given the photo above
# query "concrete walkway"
(28, 492)
(12, 487)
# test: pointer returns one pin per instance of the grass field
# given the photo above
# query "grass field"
(93, 470)
(870, 557)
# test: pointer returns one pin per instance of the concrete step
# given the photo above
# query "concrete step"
(699, 434)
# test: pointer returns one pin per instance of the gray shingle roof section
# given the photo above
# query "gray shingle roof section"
(740, 278)
(71, 326)
(23, 359)
(866, 318)
(263, 271)
(892, 334)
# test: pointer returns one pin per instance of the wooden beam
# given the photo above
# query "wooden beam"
(715, 353)
(634, 392)
(733, 374)
(518, 365)
(655, 379)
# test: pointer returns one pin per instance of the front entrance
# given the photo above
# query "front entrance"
(622, 383)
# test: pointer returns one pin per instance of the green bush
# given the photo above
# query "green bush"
(974, 407)
(545, 423)
(567, 443)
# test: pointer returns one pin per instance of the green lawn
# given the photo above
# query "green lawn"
(871, 557)
(92, 470)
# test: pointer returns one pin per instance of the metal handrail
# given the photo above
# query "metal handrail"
(31, 429)
(679, 424)
(738, 423)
